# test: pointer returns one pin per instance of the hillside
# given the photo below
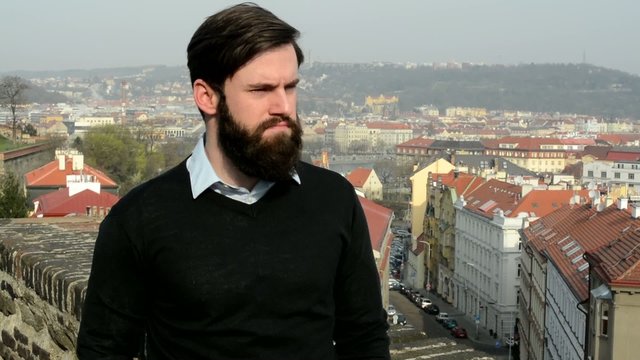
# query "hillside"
(567, 88)
(331, 88)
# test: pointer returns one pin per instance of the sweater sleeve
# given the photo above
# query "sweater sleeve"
(112, 323)
(361, 325)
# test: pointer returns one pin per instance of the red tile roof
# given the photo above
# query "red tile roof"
(358, 177)
(598, 152)
(567, 233)
(59, 203)
(619, 139)
(420, 245)
(614, 155)
(521, 143)
(618, 263)
(49, 175)
(379, 222)
(419, 142)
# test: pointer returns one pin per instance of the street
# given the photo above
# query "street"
(435, 342)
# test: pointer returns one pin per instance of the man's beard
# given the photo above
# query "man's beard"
(271, 159)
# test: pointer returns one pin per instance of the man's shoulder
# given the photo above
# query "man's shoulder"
(319, 178)
(162, 188)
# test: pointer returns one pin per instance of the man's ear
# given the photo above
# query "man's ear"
(205, 97)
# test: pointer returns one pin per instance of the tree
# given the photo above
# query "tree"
(12, 93)
(13, 201)
(114, 150)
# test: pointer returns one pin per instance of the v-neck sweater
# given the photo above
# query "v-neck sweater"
(291, 276)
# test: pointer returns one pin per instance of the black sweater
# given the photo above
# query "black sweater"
(214, 278)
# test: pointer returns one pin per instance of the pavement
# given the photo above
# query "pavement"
(483, 341)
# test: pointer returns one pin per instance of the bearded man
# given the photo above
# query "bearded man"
(241, 251)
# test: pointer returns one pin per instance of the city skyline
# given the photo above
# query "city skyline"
(43, 35)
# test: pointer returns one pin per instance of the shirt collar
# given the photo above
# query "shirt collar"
(202, 174)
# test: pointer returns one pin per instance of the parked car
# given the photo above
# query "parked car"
(442, 317)
(450, 323)
(433, 309)
(391, 310)
(402, 320)
(425, 303)
(459, 332)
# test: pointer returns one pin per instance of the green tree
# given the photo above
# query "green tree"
(114, 150)
(13, 201)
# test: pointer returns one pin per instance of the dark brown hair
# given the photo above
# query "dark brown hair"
(232, 37)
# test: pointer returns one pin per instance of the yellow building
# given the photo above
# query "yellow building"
(465, 111)
(439, 228)
(419, 194)
(382, 105)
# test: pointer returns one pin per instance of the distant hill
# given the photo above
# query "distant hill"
(566, 88)
(331, 88)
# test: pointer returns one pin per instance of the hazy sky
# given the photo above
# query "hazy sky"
(85, 34)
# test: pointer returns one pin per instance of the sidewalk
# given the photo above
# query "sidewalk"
(484, 341)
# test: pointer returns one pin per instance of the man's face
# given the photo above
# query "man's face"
(258, 127)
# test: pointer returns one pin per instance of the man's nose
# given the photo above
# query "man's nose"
(280, 103)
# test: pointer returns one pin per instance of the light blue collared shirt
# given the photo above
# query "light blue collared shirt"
(203, 176)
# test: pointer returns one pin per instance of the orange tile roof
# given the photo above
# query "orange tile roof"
(539, 203)
(567, 233)
(492, 196)
(378, 220)
(49, 175)
(358, 177)
(466, 183)
(618, 263)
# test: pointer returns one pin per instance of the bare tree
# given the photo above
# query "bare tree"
(12, 93)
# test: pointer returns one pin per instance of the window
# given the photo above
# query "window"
(604, 319)
(603, 174)
(616, 175)
(631, 176)
(590, 173)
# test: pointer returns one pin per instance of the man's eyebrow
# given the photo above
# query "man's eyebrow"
(268, 85)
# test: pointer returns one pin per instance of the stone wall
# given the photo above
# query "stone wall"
(44, 268)
(23, 160)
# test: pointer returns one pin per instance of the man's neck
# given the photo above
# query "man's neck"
(224, 167)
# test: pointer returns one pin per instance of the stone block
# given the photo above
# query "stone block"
(24, 352)
(7, 306)
(20, 337)
(8, 340)
(30, 318)
(62, 338)
(40, 353)
(8, 288)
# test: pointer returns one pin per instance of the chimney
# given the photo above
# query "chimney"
(61, 162)
(622, 203)
(635, 212)
(526, 188)
(78, 161)
(608, 201)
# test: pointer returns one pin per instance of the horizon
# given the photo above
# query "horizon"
(64, 36)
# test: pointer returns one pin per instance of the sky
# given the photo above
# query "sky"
(86, 34)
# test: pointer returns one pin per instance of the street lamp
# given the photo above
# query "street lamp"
(428, 263)
(477, 315)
